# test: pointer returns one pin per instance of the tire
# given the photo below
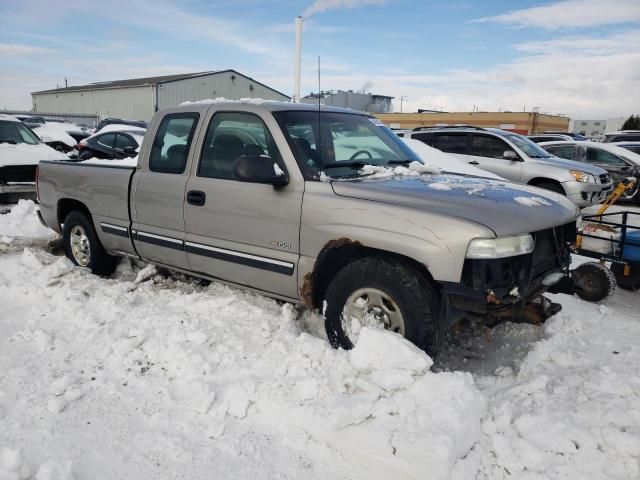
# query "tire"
(553, 187)
(403, 289)
(82, 246)
(631, 282)
(593, 282)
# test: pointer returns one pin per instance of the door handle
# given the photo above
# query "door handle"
(197, 198)
(473, 162)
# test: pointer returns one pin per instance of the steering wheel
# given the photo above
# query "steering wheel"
(353, 157)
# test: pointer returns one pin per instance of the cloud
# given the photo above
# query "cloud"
(570, 14)
(320, 6)
(15, 49)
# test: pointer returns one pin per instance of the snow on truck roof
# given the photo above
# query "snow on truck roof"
(8, 118)
(269, 105)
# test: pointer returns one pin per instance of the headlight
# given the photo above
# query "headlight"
(582, 176)
(483, 248)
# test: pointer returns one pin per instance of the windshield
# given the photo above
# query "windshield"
(531, 149)
(16, 132)
(340, 144)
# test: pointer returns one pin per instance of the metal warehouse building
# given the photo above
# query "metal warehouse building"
(139, 98)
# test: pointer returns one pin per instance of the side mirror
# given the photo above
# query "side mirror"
(510, 155)
(259, 169)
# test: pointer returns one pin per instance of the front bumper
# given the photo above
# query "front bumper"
(587, 194)
(498, 288)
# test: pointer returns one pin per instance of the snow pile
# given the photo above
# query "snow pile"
(144, 376)
(532, 201)
(121, 127)
(13, 467)
(414, 169)
(21, 222)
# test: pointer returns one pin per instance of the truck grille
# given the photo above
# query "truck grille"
(18, 174)
(551, 249)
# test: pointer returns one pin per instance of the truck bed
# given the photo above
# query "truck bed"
(102, 189)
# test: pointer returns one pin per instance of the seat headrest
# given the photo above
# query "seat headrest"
(175, 153)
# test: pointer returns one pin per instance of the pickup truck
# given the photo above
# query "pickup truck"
(319, 206)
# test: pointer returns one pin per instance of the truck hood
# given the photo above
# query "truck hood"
(571, 165)
(25, 154)
(504, 207)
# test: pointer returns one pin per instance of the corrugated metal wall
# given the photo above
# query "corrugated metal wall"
(230, 85)
(77, 118)
(136, 103)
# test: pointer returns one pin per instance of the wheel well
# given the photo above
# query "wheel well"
(336, 255)
(68, 205)
(538, 180)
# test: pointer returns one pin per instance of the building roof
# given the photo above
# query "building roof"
(140, 82)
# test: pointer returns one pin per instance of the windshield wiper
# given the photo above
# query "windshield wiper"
(354, 165)
(12, 142)
(399, 162)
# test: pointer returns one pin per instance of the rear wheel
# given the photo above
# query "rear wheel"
(629, 282)
(383, 293)
(594, 282)
(554, 187)
(82, 246)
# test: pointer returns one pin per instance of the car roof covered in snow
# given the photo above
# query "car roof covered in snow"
(268, 105)
(9, 118)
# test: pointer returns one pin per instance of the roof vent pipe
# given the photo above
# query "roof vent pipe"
(296, 88)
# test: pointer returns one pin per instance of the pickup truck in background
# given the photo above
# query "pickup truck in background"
(320, 206)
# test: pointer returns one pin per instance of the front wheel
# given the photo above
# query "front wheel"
(82, 246)
(383, 293)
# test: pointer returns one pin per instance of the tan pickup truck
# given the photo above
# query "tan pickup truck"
(325, 207)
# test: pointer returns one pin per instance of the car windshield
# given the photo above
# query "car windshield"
(340, 144)
(531, 149)
(16, 132)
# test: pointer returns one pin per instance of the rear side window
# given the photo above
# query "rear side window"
(124, 141)
(595, 155)
(171, 144)
(562, 151)
(106, 140)
(451, 142)
(486, 146)
(424, 138)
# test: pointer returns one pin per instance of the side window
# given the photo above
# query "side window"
(486, 146)
(424, 138)
(595, 155)
(172, 142)
(231, 135)
(451, 143)
(562, 151)
(124, 141)
(107, 139)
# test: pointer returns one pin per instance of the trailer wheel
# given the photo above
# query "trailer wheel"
(594, 282)
(630, 282)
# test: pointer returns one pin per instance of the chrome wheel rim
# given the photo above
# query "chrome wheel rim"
(628, 195)
(80, 248)
(370, 307)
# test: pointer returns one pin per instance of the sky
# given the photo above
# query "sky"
(580, 58)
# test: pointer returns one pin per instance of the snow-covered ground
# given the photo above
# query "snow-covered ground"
(150, 375)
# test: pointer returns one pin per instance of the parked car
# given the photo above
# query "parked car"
(57, 136)
(311, 206)
(576, 136)
(619, 162)
(120, 121)
(622, 136)
(110, 145)
(20, 152)
(632, 146)
(518, 159)
(31, 121)
(551, 137)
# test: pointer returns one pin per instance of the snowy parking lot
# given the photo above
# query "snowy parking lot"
(149, 374)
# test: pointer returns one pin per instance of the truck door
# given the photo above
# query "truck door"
(157, 198)
(245, 233)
